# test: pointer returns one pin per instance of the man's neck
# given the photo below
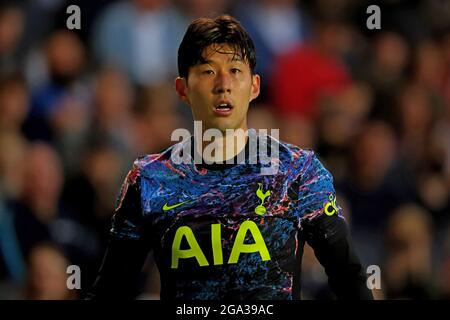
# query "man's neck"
(224, 147)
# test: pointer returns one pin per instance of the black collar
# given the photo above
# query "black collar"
(218, 166)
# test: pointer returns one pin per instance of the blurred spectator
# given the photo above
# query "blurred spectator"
(340, 121)
(420, 148)
(429, 66)
(112, 112)
(70, 124)
(91, 196)
(386, 71)
(275, 27)
(156, 116)
(374, 186)
(193, 9)
(14, 103)
(42, 182)
(141, 37)
(12, 159)
(65, 63)
(304, 75)
(343, 117)
(408, 268)
(47, 274)
(41, 216)
(262, 117)
(96, 183)
(314, 278)
(11, 29)
(298, 130)
(388, 68)
(416, 119)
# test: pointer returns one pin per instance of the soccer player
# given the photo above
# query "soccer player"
(226, 229)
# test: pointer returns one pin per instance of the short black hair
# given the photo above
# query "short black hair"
(221, 30)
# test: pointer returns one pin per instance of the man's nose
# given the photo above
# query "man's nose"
(222, 83)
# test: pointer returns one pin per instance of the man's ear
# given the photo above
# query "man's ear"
(256, 83)
(181, 88)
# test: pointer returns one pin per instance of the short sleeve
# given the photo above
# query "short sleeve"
(127, 221)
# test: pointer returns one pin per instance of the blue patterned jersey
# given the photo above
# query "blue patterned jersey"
(228, 231)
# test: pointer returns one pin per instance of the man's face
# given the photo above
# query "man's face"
(219, 90)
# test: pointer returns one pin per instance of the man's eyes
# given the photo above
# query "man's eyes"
(211, 72)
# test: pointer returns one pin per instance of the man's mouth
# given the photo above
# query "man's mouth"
(223, 108)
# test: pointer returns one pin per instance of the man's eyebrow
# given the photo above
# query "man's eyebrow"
(234, 58)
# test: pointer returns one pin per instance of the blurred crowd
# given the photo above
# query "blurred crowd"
(78, 106)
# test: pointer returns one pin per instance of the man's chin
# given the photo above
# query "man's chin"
(222, 126)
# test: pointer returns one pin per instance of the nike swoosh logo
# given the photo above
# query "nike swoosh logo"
(167, 207)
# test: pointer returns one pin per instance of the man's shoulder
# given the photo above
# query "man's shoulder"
(152, 160)
(293, 154)
(299, 162)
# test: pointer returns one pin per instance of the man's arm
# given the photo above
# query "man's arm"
(127, 250)
(330, 239)
(325, 230)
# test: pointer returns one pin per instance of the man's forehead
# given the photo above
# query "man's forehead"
(233, 53)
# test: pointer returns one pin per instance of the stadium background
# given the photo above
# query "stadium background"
(76, 107)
